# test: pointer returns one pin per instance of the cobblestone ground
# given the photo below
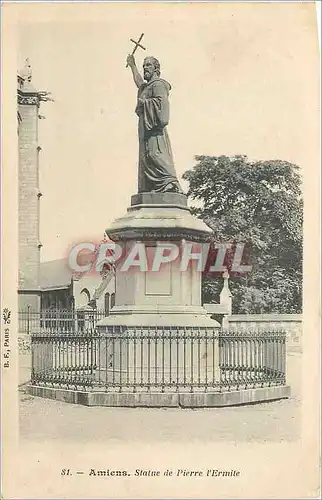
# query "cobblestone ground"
(42, 419)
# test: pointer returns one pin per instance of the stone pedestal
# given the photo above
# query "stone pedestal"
(168, 300)
(169, 296)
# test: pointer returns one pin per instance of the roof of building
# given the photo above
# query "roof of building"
(55, 274)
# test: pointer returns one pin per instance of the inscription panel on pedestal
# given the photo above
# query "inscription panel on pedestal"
(158, 282)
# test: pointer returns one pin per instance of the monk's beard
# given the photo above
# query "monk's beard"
(147, 75)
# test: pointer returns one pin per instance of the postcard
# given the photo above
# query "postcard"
(160, 250)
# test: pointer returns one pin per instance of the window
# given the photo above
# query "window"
(84, 297)
(107, 304)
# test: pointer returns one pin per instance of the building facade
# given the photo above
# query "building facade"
(49, 284)
(29, 192)
(63, 290)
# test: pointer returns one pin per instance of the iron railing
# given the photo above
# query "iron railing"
(58, 320)
(158, 359)
(248, 357)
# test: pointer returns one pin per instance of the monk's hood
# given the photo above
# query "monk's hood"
(167, 84)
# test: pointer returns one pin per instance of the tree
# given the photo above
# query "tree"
(258, 203)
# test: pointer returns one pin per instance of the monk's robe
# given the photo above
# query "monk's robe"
(156, 166)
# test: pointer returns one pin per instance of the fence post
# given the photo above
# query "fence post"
(28, 319)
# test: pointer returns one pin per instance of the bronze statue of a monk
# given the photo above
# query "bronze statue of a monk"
(156, 167)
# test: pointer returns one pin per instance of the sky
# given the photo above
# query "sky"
(244, 81)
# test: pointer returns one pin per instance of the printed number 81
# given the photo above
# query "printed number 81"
(65, 472)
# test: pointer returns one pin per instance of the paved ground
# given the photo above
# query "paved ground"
(42, 419)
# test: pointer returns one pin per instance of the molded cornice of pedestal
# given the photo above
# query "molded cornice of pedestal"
(165, 217)
(174, 200)
(148, 319)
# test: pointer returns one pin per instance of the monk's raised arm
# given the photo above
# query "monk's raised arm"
(138, 80)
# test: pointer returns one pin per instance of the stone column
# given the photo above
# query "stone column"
(226, 300)
(29, 194)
